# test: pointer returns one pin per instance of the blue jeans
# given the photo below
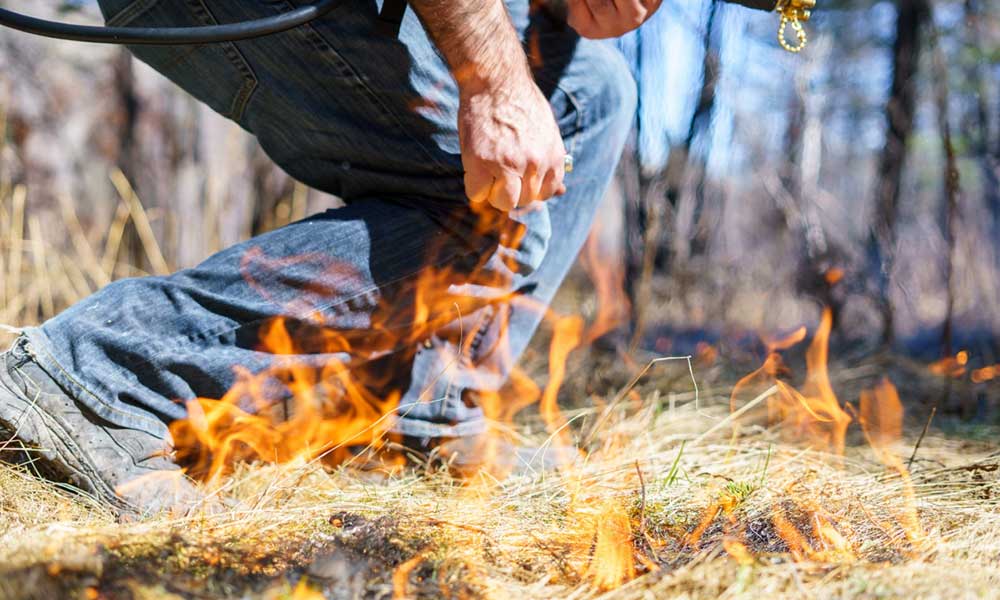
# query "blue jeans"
(371, 117)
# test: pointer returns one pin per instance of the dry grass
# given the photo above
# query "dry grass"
(297, 528)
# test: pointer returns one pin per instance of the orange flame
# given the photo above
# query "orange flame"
(401, 577)
(986, 374)
(950, 366)
(613, 561)
(738, 551)
(829, 545)
(326, 411)
(813, 414)
(321, 398)
(608, 277)
(882, 421)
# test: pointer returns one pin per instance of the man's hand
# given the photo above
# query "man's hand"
(598, 19)
(512, 151)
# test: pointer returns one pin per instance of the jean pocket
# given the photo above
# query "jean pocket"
(216, 74)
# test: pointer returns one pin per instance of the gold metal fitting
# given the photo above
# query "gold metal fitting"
(794, 13)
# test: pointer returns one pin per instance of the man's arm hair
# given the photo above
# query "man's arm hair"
(477, 39)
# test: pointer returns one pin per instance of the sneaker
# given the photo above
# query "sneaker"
(130, 470)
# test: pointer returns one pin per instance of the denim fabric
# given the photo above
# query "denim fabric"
(372, 119)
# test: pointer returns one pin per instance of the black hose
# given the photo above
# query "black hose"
(168, 36)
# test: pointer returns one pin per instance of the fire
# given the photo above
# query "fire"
(882, 422)
(613, 560)
(304, 591)
(401, 577)
(813, 413)
(950, 366)
(827, 544)
(319, 398)
(608, 277)
(738, 551)
(325, 393)
(288, 412)
(986, 374)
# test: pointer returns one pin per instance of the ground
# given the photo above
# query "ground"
(669, 501)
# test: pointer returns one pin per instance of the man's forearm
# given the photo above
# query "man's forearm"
(512, 150)
(477, 39)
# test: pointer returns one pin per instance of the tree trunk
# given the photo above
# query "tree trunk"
(130, 250)
(977, 127)
(681, 159)
(899, 110)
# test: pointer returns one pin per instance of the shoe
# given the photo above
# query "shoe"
(130, 470)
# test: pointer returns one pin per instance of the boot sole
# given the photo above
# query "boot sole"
(67, 456)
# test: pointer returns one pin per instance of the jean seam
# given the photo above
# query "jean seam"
(51, 361)
(580, 111)
(233, 55)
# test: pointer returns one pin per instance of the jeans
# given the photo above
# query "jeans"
(347, 108)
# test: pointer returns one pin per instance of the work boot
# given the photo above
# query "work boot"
(130, 470)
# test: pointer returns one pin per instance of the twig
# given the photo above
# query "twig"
(559, 560)
(909, 463)
(606, 413)
(737, 414)
(472, 528)
(642, 499)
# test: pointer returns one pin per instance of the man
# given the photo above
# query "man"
(447, 140)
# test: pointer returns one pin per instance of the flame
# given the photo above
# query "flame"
(613, 560)
(834, 275)
(401, 577)
(323, 411)
(882, 422)
(304, 591)
(950, 366)
(325, 392)
(738, 551)
(813, 414)
(608, 277)
(785, 342)
(829, 545)
(565, 337)
(986, 374)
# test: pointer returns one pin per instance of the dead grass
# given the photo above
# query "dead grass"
(296, 528)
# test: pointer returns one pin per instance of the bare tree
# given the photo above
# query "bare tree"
(899, 111)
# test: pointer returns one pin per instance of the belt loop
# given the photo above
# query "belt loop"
(391, 17)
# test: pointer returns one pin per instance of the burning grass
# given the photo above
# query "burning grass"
(668, 502)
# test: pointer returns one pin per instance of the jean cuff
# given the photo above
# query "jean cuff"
(38, 346)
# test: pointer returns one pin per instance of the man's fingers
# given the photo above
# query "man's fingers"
(609, 18)
(531, 186)
(552, 185)
(631, 13)
(506, 192)
(477, 185)
(601, 9)
(580, 18)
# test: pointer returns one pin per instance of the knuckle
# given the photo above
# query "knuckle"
(637, 18)
(533, 161)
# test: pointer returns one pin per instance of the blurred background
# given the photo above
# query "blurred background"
(758, 187)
